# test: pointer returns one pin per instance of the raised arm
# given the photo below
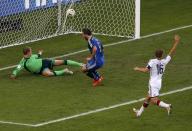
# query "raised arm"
(40, 52)
(176, 42)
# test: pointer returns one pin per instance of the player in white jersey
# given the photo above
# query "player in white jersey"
(156, 67)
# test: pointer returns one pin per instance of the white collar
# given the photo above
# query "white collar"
(90, 39)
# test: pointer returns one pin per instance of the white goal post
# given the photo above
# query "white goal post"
(137, 18)
(25, 21)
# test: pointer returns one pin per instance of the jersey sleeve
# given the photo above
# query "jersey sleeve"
(19, 67)
(37, 55)
(167, 59)
(94, 44)
(150, 64)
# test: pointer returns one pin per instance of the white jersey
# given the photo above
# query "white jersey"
(157, 68)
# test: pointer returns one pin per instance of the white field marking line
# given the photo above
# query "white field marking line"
(108, 108)
(112, 44)
(15, 123)
(92, 111)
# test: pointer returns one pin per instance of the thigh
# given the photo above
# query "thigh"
(154, 100)
(93, 66)
(58, 62)
(47, 72)
(147, 99)
(153, 91)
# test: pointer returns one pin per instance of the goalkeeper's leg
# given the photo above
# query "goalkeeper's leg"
(67, 62)
(47, 72)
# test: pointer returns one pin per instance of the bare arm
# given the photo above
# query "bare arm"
(176, 42)
(93, 53)
(16, 71)
(141, 69)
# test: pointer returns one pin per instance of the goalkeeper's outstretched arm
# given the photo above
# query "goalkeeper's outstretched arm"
(19, 67)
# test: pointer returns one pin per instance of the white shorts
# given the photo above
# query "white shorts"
(154, 89)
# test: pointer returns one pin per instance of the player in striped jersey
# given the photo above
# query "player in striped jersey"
(156, 67)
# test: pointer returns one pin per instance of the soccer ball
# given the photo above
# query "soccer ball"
(71, 12)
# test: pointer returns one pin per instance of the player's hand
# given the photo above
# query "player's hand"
(12, 77)
(40, 52)
(177, 38)
(88, 58)
(136, 68)
(84, 68)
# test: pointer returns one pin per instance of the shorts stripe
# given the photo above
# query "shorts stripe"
(91, 66)
(150, 90)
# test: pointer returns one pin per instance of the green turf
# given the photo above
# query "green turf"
(34, 99)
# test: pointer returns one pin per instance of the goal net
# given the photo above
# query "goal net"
(24, 21)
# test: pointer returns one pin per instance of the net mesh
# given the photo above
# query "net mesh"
(47, 18)
(107, 17)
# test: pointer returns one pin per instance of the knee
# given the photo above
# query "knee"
(48, 74)
(154, 100)
(84, 69)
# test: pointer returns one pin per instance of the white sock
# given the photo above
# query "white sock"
(141, 110)
(164, 105)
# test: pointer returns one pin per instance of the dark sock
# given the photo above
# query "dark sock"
(145, 104)
(158, 102)
(90, 74)
(96, 75)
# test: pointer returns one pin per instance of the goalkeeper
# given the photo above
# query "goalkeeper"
(35, 64)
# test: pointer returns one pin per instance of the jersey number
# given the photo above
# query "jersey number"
(160, 69)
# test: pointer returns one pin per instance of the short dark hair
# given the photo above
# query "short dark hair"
(159, 53)
(87, 31)
(26, 50)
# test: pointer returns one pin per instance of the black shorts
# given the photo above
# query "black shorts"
(46, 64)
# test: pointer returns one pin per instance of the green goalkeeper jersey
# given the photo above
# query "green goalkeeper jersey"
(32, 64)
